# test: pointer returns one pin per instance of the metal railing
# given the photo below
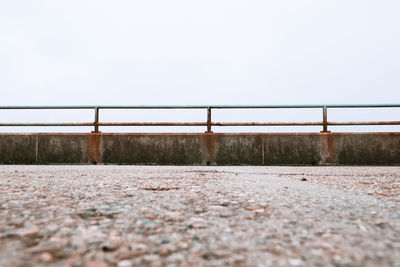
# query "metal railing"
(209, 123)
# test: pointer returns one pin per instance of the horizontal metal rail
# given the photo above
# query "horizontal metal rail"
(208, 106)
(49, 124)
(96, 123)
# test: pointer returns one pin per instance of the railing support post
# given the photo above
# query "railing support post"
(96, 120)
(325, 119)
(209, 120)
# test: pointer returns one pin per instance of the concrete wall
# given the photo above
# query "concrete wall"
(202, 149)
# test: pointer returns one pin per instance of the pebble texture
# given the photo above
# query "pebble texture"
(103, 216)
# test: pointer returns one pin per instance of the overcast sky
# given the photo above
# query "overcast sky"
(199, 52)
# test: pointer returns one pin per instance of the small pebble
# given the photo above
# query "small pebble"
(46, 257)
(125, 263)
(295, 262)
(96, 264)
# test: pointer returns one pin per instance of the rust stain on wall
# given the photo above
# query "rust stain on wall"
(209, 148)
(330, 148)
(94, 148)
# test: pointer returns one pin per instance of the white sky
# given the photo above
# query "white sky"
(198, 52)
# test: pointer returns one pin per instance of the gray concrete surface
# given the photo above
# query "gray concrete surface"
(202, 149)
(199, 216)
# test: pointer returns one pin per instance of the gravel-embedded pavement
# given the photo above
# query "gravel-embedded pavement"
(199, 216)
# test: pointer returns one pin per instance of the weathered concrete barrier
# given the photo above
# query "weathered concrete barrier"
(202, 149)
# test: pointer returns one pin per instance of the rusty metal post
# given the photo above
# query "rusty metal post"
(209, 120)
(325, 119)
(96, 120)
